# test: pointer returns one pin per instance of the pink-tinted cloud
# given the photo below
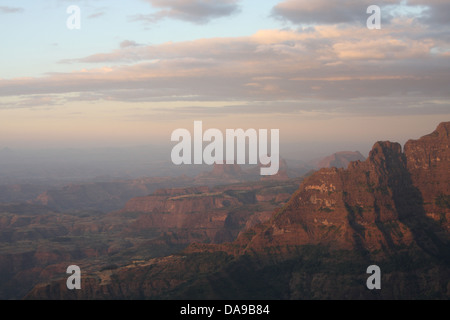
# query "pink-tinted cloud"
(325, 63)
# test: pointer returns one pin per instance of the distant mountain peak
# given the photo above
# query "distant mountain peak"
(339, 159)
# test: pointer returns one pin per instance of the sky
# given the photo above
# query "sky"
(137, 70)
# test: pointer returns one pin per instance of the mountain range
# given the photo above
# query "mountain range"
(309, 237)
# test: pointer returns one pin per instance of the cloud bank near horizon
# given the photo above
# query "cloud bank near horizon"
(322, 61)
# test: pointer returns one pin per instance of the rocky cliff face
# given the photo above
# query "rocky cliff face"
(373, 206)
(391, 210)
(428, 164)
(213, 214)
(36, 242)
(392, 200)
(184, 201)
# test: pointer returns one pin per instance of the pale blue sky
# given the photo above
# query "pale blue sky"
(36, 38)
(310, 68)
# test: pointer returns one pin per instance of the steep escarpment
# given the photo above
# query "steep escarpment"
(392, 200)
(207, 214)
(373, 206)
(37, 242)
(390, 210)
(428, 164)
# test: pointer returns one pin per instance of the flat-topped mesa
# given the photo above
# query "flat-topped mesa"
(181, 203)
(180, 191)
(340, 159)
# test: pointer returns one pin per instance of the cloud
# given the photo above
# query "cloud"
(5, 9)
(128, 43)
(31, 101)
(350, 108)
(96, 15)
(432, 12)
(312, 69)
(325, 11)
(194, 11)
(436, 11)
